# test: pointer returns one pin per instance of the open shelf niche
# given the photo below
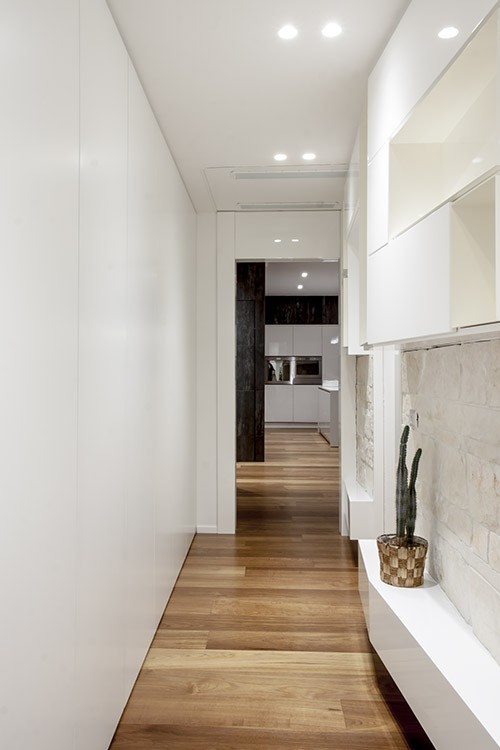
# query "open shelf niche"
(451, 140)
(474, 257)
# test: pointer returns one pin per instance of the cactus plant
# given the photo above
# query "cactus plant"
(402, 555)
(406, 496)
(401, 485)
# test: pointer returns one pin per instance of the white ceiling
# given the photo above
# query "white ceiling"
(229, 93)
(283, 278)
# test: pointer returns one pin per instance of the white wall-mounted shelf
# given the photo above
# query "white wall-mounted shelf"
(451, 138)
(449, 679)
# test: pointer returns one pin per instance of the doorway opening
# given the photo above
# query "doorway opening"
(287, 353)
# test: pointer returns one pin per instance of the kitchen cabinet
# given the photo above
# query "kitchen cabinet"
(307, 341)
(305, 403)
(279, 340)
(279, 403)
(328, 414)
(330, 347)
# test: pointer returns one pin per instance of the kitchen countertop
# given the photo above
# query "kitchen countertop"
(330, 386)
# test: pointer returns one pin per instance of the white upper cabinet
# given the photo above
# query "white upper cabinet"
(279, 341)
(268, 235)
(307, 340)
(451, 138)
(433, 197)
(408, 283)
(413, 59)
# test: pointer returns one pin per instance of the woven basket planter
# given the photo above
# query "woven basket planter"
(402, 565)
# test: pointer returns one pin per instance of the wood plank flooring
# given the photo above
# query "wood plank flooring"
(263, 643)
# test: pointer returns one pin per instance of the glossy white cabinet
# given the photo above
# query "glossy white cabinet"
(413, 59)
(409, 282)
(279, 340)
(317, 232)
(278, 403)
(38, 376)
(305, 403)
(330, 352)
(100, 604)
(307, 340)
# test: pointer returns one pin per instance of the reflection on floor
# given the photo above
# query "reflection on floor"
(263, 643)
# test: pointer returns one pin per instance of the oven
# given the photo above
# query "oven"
(307, 371)
(293, 371)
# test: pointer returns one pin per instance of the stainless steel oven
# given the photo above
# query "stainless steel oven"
(279, 370)
(293, 370)
(307, 371)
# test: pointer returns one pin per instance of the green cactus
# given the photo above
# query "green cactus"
(406, 496)
(401, 485)
(411, 501)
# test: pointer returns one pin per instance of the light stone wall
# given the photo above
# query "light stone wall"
(456, 393)
(364, 422)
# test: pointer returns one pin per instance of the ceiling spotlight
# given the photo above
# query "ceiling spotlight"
(277, 240)
(287, 32)
(280, 157)
(304, 275)
(309, 156)
(300, 286)
(449, 32)
(295, 240)
(331, 30)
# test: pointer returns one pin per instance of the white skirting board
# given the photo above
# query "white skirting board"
(451, 682)
(206, 529)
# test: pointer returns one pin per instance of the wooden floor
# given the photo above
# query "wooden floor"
(263, 643)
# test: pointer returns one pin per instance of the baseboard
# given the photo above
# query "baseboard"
(206, 529)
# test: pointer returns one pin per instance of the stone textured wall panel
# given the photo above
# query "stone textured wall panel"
(456, 392)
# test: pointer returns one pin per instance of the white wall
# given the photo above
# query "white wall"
(97, 302)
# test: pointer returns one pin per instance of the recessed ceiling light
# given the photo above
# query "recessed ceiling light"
(309, 156)
(280, 157)
(304, 274)
(331, 30)
(277, 240)
(449, 32)
(295, 240)
(287, 32)
(300, 286)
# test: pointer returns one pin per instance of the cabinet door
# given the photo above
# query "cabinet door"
(278, 403)
(331, 357)
(307, 340)
(279, 340)
(305, 403)
(409, 282)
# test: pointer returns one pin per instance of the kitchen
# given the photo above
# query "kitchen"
(299, 362)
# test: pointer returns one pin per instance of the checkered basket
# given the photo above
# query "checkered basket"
(402, 565)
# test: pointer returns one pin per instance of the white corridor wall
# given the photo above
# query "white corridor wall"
(97, 318)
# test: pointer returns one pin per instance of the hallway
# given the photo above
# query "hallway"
(263, 643)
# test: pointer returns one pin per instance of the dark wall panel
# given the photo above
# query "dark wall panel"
(302, 310)
(250, 333)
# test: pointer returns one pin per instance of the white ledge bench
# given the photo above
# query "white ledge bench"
(449, 679)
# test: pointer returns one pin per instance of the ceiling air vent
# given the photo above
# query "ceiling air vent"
(289, 174)
(317, 206)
